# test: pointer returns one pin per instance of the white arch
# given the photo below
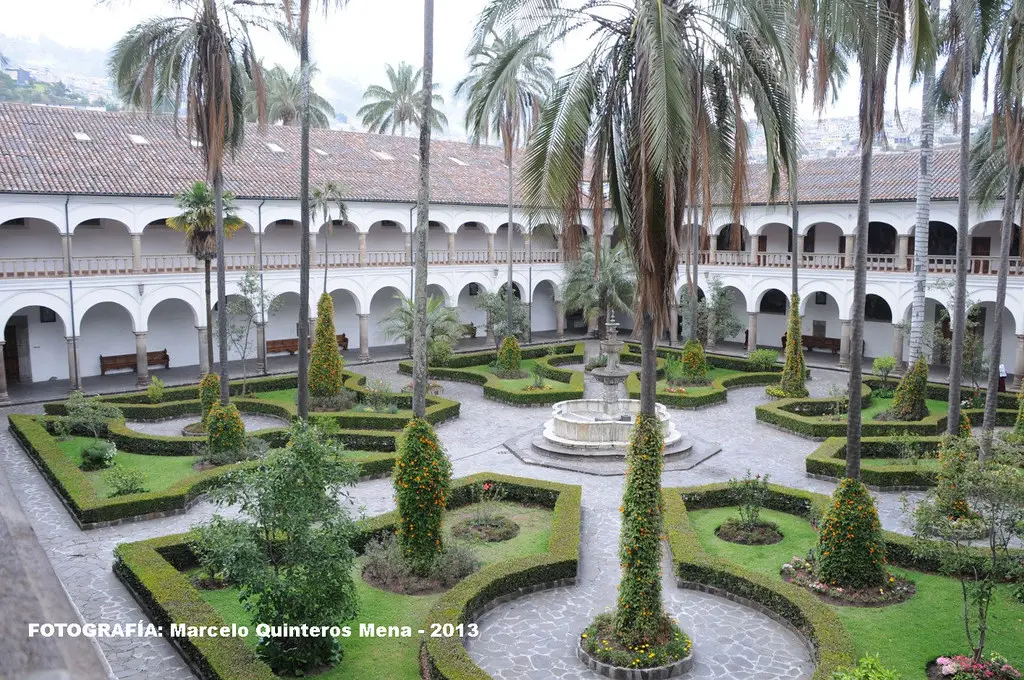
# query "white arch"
(39, 211)
(78, 213)
(117, 297)
(163, 293)
(832, 288)
(758, 293)
(36, 298)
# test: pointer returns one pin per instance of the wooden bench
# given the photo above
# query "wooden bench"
(116, 362)
(343, 342)
(814, 342)
(290, 345)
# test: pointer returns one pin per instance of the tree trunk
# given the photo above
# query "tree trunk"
(303, 325)
(860, 261)
(419, 336)
(695, 245)
(209, 319)
(963, 235)
(222, 307)
(508, 290)
(1005, 237)
(326, 244)
(924, 198)
(648, 365)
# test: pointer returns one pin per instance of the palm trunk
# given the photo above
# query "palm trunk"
(419, 335)
(924, 198)
(209, 319)
(1006, 236)
(648, 366)
(508, 288)
(222, 307)
(860, 261)
(695, 235)
(326, 245)
(963, 235)
(303, 325)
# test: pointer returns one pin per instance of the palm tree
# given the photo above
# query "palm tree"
(284, 100)
(198, 222)
(330, 194)
(301, 36)
(393, 109)
(426, 113)
(508, 81)
(613, 289)
(204, 59)
(924, 200)
(443, 322)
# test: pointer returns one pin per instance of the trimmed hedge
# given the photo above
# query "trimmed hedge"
(153, 571)
(88, 508)
(800, 416)
(829, 460)
(495, 390)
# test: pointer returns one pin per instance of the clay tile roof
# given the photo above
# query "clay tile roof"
(39, 153)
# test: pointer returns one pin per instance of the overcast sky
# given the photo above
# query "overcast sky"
(350, 46)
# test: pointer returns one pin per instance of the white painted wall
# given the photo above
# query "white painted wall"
(172, 327)
(501, 239)
(106, 329)
(158, 239)
(386, 239)
(469, 311)
(542, 309)
(107, 238)
(346, 317)
(48, 347)
(437, 238)
(471, 238)
(543, 238)
(282, 321)
(826, 238)
(279, 237)
(828, 312)
(770, 329)
(777, 238)
(382, 301)
(35, 238)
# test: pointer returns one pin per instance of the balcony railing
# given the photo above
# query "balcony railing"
(344, 258)
(102, 265)
(31, 267)
(774, 259)
(822, 260)
(518, 256)
(470, 257)
(546, 256)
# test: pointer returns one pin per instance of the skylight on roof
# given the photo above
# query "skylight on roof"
(383, 156)
(274, 147)
(82, 137)
(138, 139)
(321, 152)
(457, 161)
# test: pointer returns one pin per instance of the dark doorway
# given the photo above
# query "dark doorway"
(12, 369)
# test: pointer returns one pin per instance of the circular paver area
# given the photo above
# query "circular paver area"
(173, 426)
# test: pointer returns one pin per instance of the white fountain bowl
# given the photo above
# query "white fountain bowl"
(596, 425)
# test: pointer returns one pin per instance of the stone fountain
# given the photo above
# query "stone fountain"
(599, 428)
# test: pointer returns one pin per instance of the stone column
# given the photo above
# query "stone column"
(451, 248)
(711, 344)
(751, 331)
(851, 242)
(903, 253)
(312, 249)
(560, 320)
(712, 250)
(141, 360)
(136, 253)
(844, 343)
(1018, 370)
(65, 252)
(74, 373)
(490, 249)
(204, 363)
(362, 250)
(408, 248)
(897, 346)
(490, 331)
(364, 336)
(261, 347)
(529, 249)
(673, 320)
(257, 250)
(4, 399)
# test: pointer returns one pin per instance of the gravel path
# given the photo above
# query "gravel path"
(173, 426)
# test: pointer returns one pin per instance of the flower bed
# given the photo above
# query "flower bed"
(473, 367)
(153, 571)
(828, 461)
(801, 572)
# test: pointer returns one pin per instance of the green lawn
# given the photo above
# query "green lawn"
(906, 636)
(527, 365)
(160, 471)
(935, 407)
(288, 398)
(930, 464)
(713, 374)
(398, 658)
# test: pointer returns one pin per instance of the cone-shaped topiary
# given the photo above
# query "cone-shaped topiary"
(225, 430)
(325, 364)
(509, 355)
(695, 364)
(638, 613)
(909, 402)
(422, 480)
(850, 551)
(949, 495)
(793, 372)
(209, 393)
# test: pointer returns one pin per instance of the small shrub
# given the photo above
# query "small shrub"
(750, 494)
(439, 353)
(422, 482)
(225, 431)
(454, 564)
(124, 481)
(961, 667)
(155, 390)
(509, 355)
(882, 366)
(909, 400)
(674, 373)
(378, 395)
(695, 364)
(385, 566)
(868, 668)
(342, 401)
(850, 550)
(209, 394)
(252, 449)
(600, 361)
(325, 363)
(763, 360)
(954, 456)
(86, 416)
(538, 379)
(98, 455)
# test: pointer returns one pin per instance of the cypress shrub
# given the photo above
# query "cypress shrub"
(509, 355)
(209, 393)
(793, 372)
(949, 494)
(422, 480)
(909, 400)
(225, 430)
(325, 363)
(638, 614)
(695, 363)
(850, 550)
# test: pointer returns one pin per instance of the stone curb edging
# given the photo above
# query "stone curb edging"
(621, 673)
(516, 594)
(780, 428)
(812, 651)
(872, 487)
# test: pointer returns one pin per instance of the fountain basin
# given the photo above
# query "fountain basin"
(600, 427)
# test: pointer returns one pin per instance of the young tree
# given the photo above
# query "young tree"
(715, 321)
(325, 366)
(496, 307)
(251, 305)
(289, 551)
(422, 480)
(613, 288)
(443, 322)
(794, 370)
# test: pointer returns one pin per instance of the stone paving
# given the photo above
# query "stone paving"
(730, 640)
(172, 426)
